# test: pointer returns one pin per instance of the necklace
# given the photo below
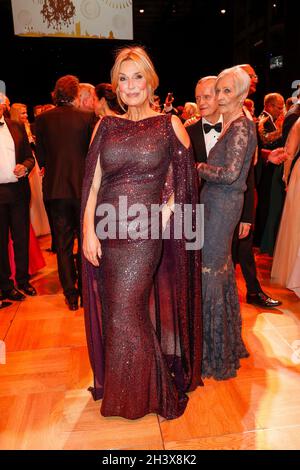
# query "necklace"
(236, 116)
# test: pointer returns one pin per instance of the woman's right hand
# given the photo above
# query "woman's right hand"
(91, 248)
(277, 156)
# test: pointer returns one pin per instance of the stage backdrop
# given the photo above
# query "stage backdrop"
(107, 19)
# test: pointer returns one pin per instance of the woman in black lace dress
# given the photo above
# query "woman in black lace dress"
(225, 175)
(143, 327)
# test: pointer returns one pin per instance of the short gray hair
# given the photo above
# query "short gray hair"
(240, 77)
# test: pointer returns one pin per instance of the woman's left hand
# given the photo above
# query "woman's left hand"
(91, 248)
(244, 229)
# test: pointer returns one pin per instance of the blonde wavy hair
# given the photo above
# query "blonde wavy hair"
(140, 57)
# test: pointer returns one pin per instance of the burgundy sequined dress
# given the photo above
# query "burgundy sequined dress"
(142, 304)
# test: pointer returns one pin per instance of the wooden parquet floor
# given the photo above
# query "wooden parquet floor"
(44, 403)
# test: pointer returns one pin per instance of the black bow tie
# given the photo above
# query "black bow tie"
(208, 127)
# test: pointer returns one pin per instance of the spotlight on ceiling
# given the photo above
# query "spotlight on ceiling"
(142, 11)
(223, 12)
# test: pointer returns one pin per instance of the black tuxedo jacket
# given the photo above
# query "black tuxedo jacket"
(9, 192)
(62, 140)
(195, 132)
(268, 126)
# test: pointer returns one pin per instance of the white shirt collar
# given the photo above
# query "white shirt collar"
(205, 121)
(211, 138)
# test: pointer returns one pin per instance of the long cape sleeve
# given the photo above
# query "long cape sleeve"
(90, 283)
(178, 281)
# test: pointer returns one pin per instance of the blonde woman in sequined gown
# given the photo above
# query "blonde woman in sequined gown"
(145, 350)
(286, 261)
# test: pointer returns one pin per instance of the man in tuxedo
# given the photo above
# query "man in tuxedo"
(204, 135)
(242, 246)
(206, 131)
(62, 140)
(16, 162)
(269, 124)
(269, 138)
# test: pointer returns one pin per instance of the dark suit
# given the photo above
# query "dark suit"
(242, 251)
(62, 140)
(264, 177)
(195, 132)
(14, 212)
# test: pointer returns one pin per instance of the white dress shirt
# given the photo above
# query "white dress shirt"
(7, 155)
(212, 136)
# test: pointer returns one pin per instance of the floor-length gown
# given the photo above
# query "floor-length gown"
(36, 258)
(140, 367)
(223, 196)
(38, 215)
(286, 262)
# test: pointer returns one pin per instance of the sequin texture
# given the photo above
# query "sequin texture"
(143, 324)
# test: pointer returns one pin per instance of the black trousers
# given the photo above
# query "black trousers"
(14, 217)
(50, 220)
(242, 253)
(66, 223)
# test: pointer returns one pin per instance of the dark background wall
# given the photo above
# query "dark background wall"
(263, 30)
(186, 39)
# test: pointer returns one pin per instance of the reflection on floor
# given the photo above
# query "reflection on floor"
(44, 403)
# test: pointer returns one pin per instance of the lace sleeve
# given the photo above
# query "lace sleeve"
(234, 156)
